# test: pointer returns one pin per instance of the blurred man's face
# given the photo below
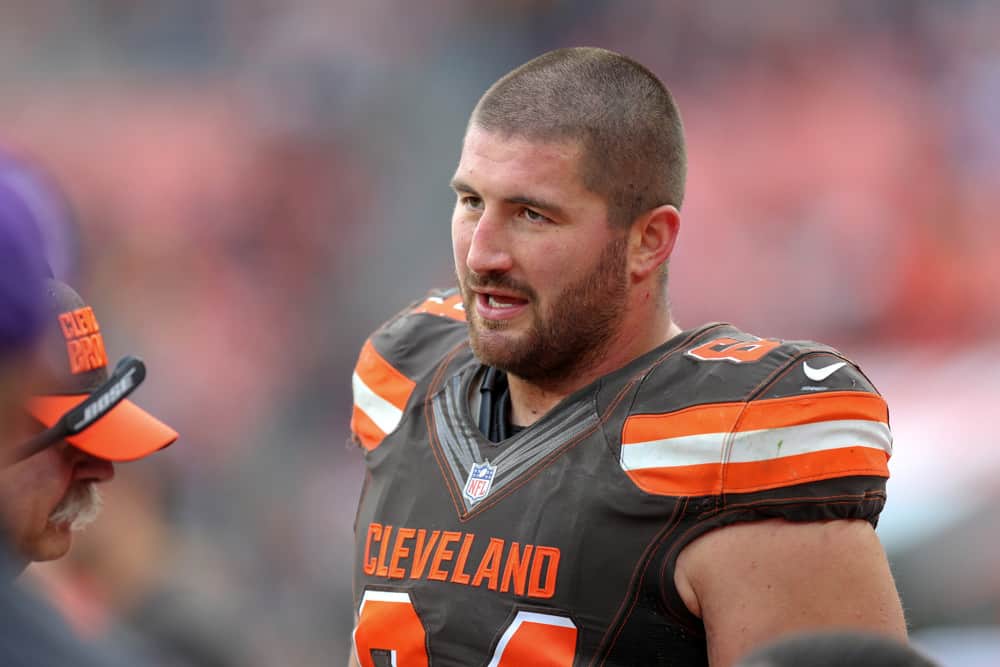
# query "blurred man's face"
(47, 496)
(542, 273)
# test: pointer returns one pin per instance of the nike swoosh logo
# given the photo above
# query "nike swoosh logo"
(820, 374)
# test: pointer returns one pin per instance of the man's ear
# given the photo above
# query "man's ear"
(651, 240)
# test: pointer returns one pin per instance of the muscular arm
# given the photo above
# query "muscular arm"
(754, 582)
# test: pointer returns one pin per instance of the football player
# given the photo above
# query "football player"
(557, 472)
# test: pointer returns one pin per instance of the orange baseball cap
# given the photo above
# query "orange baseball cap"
(79, 364)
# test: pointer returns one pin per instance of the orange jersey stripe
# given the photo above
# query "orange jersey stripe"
(368, 432)
(811, 408)
(450, 307)
(756, 415)
(380, 396)
(751, 476)
(384, 380)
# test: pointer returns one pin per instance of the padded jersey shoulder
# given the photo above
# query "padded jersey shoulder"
(398, 357)
(723, 364)
(729, 412)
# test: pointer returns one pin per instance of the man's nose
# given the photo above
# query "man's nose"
(89, 468)
(489, 248)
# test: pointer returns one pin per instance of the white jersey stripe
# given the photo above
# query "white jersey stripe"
(384, 596)
(762, 445)
(385, 415)
(526, 617)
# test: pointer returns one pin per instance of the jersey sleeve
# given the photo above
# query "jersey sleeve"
(761, 420)
(818, 419)
(803, 454)
(781, 430)
(396, 358)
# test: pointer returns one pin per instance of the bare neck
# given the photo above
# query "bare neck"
(531, 400)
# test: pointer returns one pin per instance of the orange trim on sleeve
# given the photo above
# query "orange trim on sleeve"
(450, 307)
(706, 479)
(382, 378)
(756, 415)
(368, 433)
(695, 480)
(387, 385)
(812, 408)
(698, 419)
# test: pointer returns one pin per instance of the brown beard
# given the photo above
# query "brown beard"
(575, 332)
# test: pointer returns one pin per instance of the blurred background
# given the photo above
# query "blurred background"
(258, 184)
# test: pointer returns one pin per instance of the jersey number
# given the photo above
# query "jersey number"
(737, 351)
(389, 633)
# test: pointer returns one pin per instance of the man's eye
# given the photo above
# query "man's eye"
(472, 203)
(534, 216)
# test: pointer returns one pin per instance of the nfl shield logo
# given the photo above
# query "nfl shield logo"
(479, 482)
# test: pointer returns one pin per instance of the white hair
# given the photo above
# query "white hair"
(79, 508)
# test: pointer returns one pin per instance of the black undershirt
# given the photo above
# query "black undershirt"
(494, 407)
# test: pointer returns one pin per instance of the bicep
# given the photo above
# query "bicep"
(753, 582)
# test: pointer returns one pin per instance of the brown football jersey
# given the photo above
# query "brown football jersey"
(557, 546)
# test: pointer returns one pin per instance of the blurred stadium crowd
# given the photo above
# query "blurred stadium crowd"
(257, 185)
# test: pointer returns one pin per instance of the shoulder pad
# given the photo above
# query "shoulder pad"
(397, 357)
(728, 364)
(738, 414)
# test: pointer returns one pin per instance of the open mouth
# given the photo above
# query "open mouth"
(493, 306)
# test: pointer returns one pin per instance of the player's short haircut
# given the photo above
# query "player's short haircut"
(624, 117)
